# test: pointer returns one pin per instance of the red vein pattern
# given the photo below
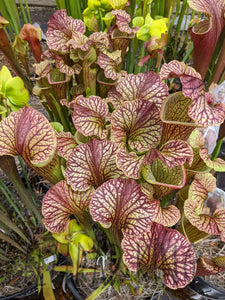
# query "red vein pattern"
(164, 249)
(130, 163)
(143, 86)
(65, 144)
(89, 116)
(167, 216)
(66, 69)
(217, 164)
(175, 153)
(109, 63)
(123, 20)
(158, 173)
(201, 110)
(60, 202)
(138, 124)
(28, 133)
(200, 215)
(92, 164)
(120, 203)
(207, 266)
(61, 29)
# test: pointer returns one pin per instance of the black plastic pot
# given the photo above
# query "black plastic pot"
(198, 289)
(33, 289)
(23, 294)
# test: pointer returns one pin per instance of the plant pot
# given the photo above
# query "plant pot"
(33, 289)
(198, 289)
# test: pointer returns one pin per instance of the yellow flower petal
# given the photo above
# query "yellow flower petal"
(158, 27)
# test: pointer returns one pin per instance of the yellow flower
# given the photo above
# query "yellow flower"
(99, 4)
(150, 27)
(158, 27)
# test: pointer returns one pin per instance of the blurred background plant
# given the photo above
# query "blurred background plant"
(163, 34)
(157, 32)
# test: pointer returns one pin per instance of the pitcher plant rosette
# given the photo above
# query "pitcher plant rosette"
(126, 158)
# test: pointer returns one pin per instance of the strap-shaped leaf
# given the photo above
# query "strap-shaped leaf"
(92, 164)
(120, 203)
(61, 29)
(60, 202)
(158, 173)
(138, 124)
(164, 249)
(65, 144)
(130, 163)
(29, 134)
(89, 116)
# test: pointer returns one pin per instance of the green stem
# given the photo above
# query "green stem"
(141, 54)
(188, 53)
(115, 237)
(8, 166)
(90, 232)
(26, 179)
(23, 14)
(216, 151)
(178, 27)
(11, 198)
(167, 198)
(101, 21)
(161, 7)
(145, 8)
(60, 113)
(28, 11)
(13, 14)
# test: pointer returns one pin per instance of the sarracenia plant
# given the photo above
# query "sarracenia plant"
(127, 159)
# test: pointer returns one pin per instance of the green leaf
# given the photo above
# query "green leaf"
(15, 92)
(138, 21)
(5, 220)
(47, 286)
(5, 75)
(143, 33)
(57, 126)
(13, 243)
(3, 110)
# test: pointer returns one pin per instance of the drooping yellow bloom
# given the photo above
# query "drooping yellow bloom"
(12, 90)
(99, 4)
(158, 27)
(150, 27)
(118, 4)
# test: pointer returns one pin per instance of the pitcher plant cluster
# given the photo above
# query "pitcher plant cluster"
(124, 156)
